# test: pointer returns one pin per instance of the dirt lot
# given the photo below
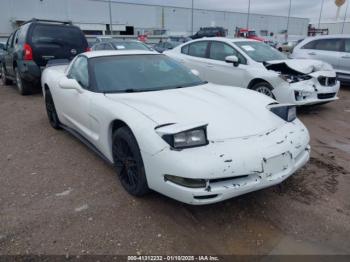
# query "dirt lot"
(58, 197)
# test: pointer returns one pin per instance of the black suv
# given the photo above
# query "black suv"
(32, 45)
(210, 32)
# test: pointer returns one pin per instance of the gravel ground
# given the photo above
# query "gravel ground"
(58, 197)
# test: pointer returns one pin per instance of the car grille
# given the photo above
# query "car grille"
(326, 95)
(327, 81)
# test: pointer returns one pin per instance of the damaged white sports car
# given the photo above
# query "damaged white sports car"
(259, 67)
(165, 129)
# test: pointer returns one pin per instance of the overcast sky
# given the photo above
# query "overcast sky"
(300, 8)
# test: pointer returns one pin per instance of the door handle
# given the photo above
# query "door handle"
(210, 65)
(346, 56)
(312, 53)
(182, 61)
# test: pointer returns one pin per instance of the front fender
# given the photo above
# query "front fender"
(104, 112)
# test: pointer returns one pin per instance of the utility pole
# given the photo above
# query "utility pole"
(319, 19)
(192, 14)
(163, 20)
(290, 7)
(248, 15)
(110, 17)
(346, 10)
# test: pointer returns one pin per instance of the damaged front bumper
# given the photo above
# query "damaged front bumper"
(312, 92)
(231, 167)
(317, 90)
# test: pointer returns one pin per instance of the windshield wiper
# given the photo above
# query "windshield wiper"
(129, 90)
(191, 85)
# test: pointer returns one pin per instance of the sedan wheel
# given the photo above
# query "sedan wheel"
(264, 88)
(128, 162)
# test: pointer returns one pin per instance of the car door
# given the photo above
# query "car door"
(325, 49)
(195, 56)
(344, 62)
(219, 71)
(8, 57)
(75, 104)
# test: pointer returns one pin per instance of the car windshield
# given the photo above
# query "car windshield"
(140, 73)
(130, 46)
(259, 51)
(251, 33)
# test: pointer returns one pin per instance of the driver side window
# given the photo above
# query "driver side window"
(79, 71)
(219, 51)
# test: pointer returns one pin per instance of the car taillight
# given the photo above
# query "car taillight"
(28, 52)
(88, 49)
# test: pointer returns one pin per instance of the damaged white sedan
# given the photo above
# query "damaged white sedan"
(164, 129)
(259, 67)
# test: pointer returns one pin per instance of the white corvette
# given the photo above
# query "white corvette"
(165, 129)
(259, 67)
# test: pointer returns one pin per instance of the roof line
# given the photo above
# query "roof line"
(197, 9)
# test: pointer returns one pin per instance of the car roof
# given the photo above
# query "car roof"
(124, 41)
(225, 39)
(103, 53)
(329, 36)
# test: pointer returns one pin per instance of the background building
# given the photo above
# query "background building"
(334, 27)
(133, 19)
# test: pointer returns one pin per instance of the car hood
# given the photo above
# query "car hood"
(229, 112)
(303, 66)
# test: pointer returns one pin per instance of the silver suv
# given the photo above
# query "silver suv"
(333, 49)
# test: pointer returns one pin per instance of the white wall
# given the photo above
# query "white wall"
(336, 28)
(139, 16)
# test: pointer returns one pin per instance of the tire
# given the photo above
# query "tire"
(23, 86)
(263, 88)
(128, 162)
(4, 80)
(51, 110)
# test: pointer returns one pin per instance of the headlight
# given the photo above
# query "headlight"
(186, 182)
(294, 78)
(187, 139)
(286, 112)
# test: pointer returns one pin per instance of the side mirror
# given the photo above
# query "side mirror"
(72, 84)
(232, 59)
(195, 72)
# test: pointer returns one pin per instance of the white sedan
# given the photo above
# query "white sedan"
(259, 67)
(165, 129)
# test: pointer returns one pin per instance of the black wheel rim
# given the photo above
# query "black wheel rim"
(125, 164)
(50, 108)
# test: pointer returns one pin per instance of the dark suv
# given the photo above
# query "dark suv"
(32, 45)
(210, 32)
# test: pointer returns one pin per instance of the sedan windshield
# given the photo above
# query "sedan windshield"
(130, 46)
(139, 73)
(259, 51)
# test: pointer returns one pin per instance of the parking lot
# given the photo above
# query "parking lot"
(58, 197)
